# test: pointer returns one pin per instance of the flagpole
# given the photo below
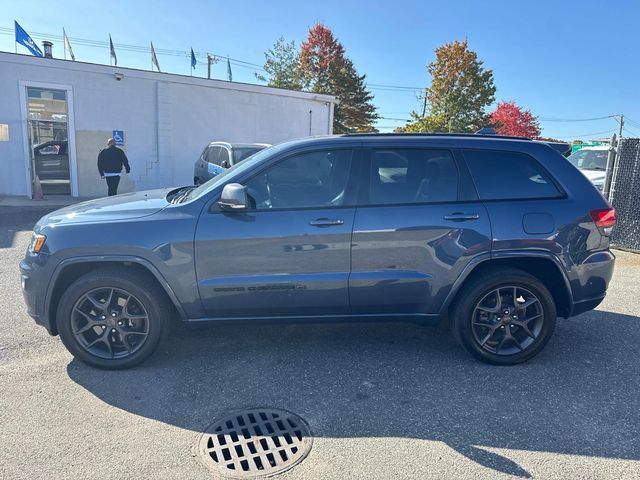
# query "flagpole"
(15, 37)
(64, 47)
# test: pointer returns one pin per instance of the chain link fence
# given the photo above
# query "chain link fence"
(624, 194)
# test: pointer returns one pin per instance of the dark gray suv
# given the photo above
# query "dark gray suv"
(496, 236)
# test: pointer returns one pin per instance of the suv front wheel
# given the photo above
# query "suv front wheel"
(504, 316)
(112, 318)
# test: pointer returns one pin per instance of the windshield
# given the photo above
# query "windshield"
(230, 173)
(240, 154)
(590, 159)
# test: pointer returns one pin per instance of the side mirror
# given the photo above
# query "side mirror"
(234, 197)
(225, 164)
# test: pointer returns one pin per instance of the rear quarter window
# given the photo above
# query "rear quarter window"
(501, 175)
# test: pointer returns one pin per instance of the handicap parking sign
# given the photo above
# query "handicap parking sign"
(118, 136)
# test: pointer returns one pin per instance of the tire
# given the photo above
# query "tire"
(143, 318)
(476, 314)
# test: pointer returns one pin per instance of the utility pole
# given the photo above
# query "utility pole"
(621, 125)
(424, 107)
(209, 62)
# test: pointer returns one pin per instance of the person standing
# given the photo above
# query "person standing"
(110, 163)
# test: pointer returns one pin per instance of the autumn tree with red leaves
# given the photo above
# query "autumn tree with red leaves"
(510, 119)
(325, 68)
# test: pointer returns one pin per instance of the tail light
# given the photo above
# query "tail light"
(604, 219)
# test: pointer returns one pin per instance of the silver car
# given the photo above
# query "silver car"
(218, 156)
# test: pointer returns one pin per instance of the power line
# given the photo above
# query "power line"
(543, 119)
(589, 134)
(184, 53)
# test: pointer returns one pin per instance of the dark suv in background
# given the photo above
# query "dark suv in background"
(497, 236)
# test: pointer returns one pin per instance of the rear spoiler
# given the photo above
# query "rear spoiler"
(560, 147)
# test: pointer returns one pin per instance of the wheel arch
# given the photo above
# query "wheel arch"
(543, 265)
(69, 270)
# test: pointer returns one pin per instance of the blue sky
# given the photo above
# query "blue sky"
(561, 59)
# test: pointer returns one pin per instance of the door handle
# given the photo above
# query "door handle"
(326, 222)
(460, 217)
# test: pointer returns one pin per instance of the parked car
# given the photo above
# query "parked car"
(592, 162)
(51, 160)
(493, 235)
(218, 156)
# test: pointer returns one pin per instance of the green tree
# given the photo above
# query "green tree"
(282, 66)
(326, 69)
(461, 89)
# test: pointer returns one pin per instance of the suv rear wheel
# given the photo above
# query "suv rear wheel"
(112, 318)
(504, 316)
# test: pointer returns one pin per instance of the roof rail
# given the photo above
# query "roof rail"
(412, 134)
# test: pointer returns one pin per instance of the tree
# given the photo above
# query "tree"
(326, 69)
(282, 65)
(510, 119)
(460, 91)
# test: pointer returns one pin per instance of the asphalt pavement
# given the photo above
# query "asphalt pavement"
(382, 400)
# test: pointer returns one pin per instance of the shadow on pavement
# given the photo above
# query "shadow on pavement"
(16, 219)
(580, 396)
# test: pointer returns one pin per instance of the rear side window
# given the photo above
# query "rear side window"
(509, 175)
(405, 176)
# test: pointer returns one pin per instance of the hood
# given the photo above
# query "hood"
(595, 176)
(118, 207)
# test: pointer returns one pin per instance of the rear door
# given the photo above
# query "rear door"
(289, 254)
(418, 223)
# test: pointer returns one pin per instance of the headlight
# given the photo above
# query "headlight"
(37, 242)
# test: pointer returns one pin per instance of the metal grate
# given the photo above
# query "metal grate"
(625, 195)
(257, 442)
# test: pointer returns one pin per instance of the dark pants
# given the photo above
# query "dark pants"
(112, 183)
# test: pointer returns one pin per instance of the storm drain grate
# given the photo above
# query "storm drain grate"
(255, 443)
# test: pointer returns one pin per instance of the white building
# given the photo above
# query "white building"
(55, 115)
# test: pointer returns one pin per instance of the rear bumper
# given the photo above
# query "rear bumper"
(590, 280)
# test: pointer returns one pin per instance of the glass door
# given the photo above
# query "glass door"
(48, 139)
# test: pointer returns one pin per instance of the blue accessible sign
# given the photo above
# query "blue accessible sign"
(118, 136)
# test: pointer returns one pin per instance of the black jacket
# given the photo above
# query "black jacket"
(111, 160)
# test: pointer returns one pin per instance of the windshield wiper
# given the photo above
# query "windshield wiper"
(181, 194)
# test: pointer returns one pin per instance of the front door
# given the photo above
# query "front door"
(49, 139)
(414, 231)
(289, 254)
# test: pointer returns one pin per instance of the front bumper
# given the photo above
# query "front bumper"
(35, 276)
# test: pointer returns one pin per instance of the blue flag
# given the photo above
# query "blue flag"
(229, 76)
(23, 38)
(193, 59)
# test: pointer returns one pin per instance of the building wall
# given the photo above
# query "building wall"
(167, 119)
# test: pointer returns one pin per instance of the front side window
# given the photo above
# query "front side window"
(404, 176)
(213, 155)
(224, 158)
(313, 179)
(508, 175)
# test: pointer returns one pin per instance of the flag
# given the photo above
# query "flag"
(112, 52)
(193, 59)
(23, 38)
(154, 59)
(229, 76)
(67, 45)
